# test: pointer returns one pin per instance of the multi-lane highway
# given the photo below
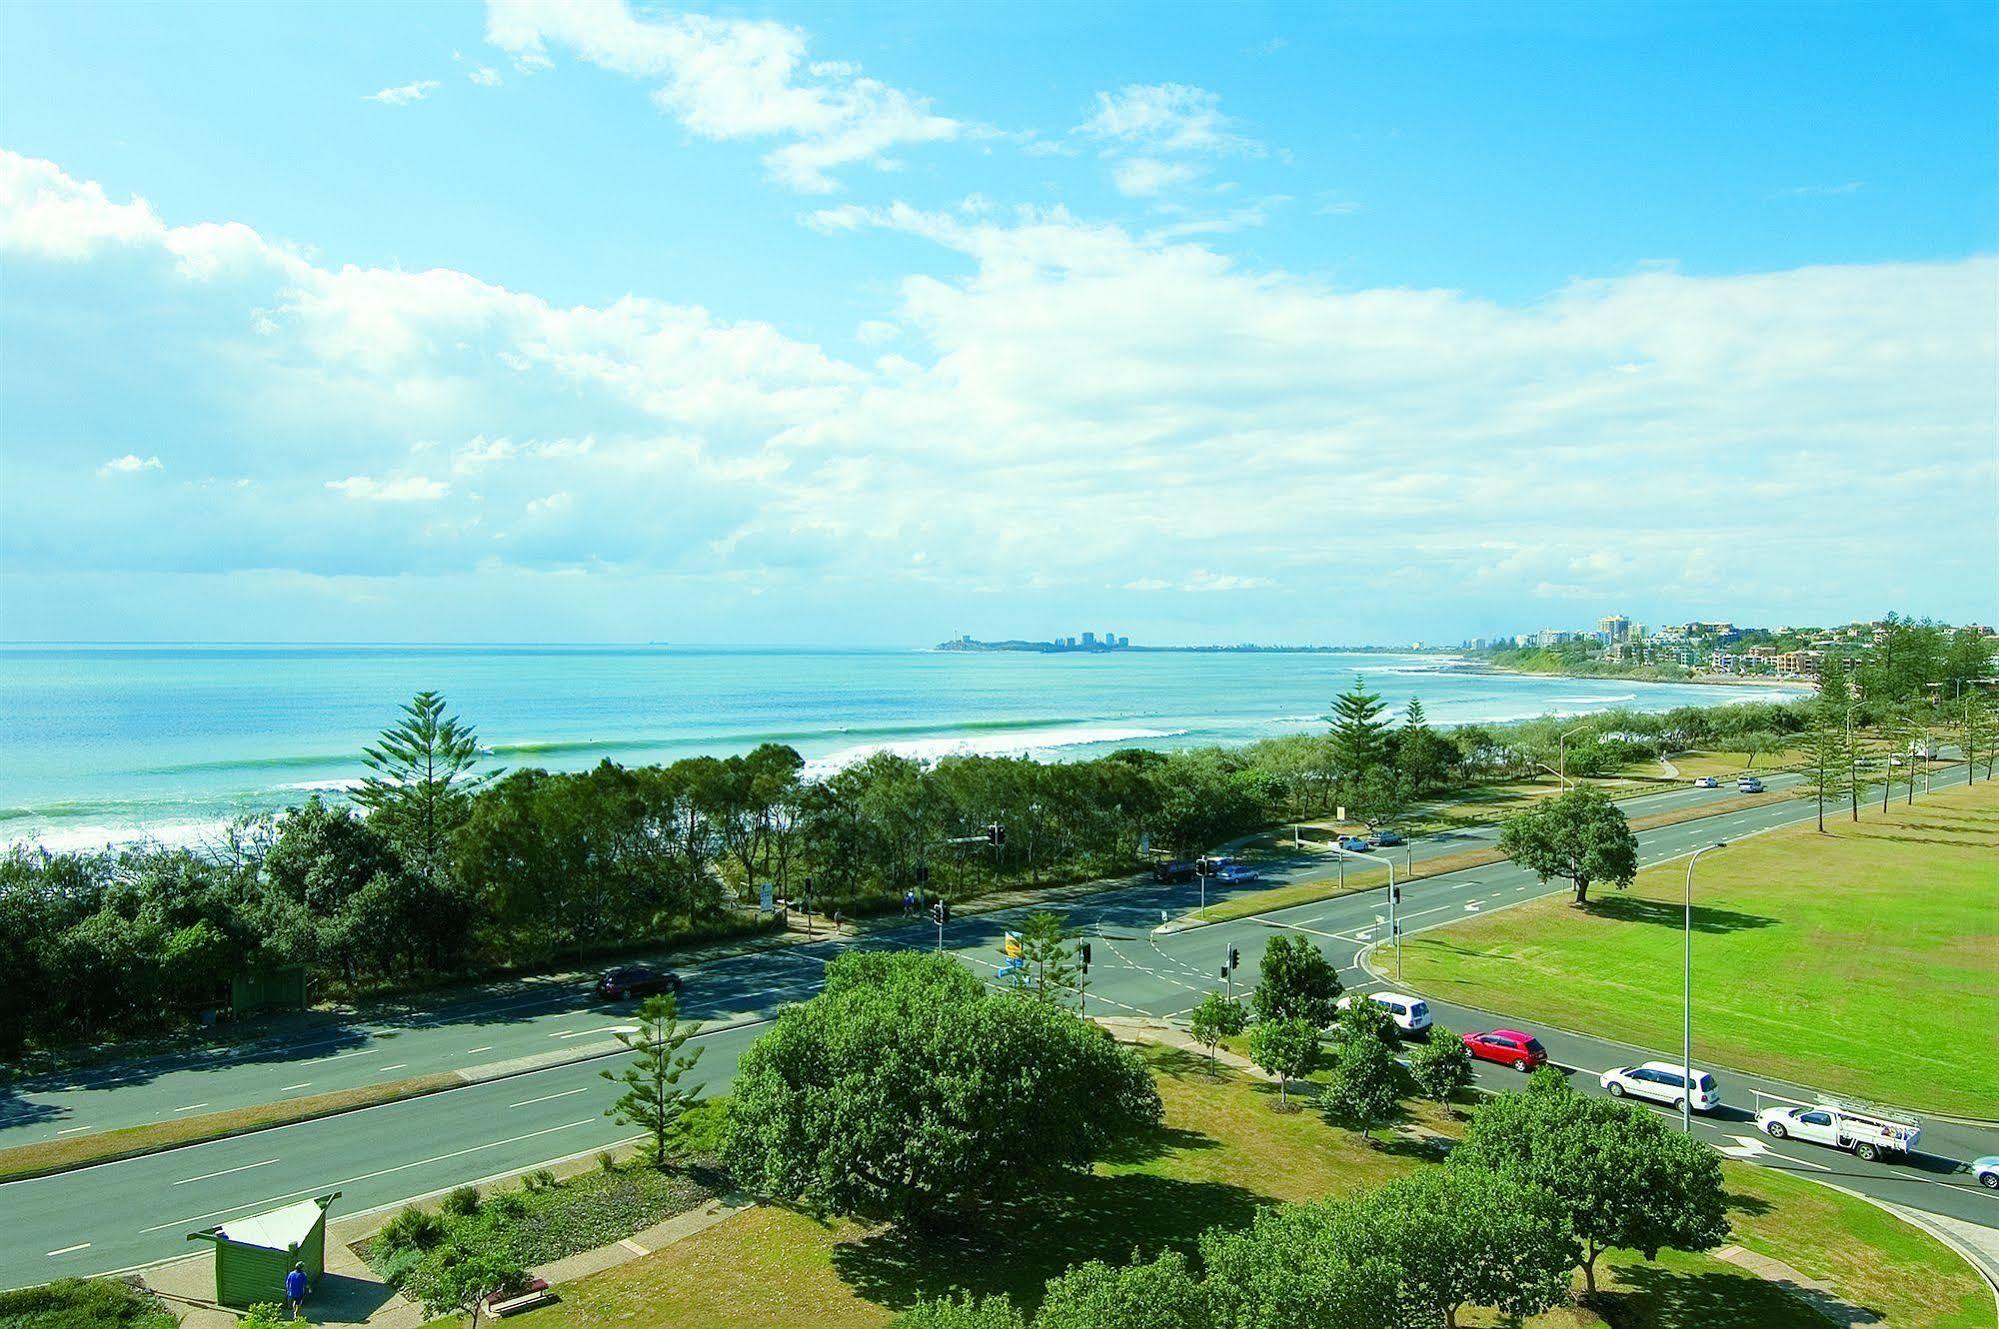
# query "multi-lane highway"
(547, 1104)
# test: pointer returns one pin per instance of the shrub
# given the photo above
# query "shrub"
(412, 1229)
(463, 1202)
(82, 1303)
(512, 1204)
(607, 1161)
(540, 1179)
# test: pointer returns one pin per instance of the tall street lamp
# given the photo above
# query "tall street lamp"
(1562, 746)
(1687, 1008)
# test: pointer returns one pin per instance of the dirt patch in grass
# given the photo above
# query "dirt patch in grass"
(41, 1159)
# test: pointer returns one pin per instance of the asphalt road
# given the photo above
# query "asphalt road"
(118, 1215)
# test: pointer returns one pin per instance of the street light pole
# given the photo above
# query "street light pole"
(1687, 998)
(1562, 750)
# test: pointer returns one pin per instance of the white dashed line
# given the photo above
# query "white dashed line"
(548, 1098)
(300, 1085)
(68, 1250)
(226, 1172)
(190, 1107)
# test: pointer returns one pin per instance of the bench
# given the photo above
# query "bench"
(535, 1294)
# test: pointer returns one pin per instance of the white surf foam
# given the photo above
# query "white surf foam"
(1009, 743)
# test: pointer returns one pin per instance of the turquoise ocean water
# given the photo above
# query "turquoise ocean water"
(102, 744)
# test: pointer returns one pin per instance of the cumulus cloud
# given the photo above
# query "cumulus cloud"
(485, 76)
(1074, 403)
(402, 489)
(1165, 117)
(1144, 177)
(129, 464)
(403, 94)
(729, 79)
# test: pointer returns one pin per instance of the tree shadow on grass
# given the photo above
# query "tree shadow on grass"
(1657, 1297)
(1741, 1202)
(1706, 918)
(1017, 1246)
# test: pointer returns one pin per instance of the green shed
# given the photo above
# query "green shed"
(253, 1255)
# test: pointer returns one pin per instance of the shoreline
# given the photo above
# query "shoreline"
(1800, 687)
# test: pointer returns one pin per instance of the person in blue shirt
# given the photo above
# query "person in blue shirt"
(295, 1288)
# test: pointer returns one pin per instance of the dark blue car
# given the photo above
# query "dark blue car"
(1384, 838)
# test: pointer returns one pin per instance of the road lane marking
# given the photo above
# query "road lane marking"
(225, 1172)
(68, 1250)
(607, 1029)
(190, 1107)
(366, 1176)
(487, 1048)
(71, 1130)
(300, 1085)
(398, 1066)
(340, 1056)
(548, 1098)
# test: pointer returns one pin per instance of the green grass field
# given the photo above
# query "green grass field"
(1221, 1154)
(1865, 960)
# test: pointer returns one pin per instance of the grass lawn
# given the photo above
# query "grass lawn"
(1728, 765)
(1222, 1153)
(1863, 960)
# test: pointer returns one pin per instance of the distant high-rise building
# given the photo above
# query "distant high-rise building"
(1614, 627)
(1089, 639)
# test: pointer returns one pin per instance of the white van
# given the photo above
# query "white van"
(1748, 784)
(1869, 1132)
(1663, 1082)
(1412, 1014)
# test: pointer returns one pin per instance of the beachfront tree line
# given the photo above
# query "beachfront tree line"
(457, 869)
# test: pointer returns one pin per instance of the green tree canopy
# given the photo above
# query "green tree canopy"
(1295, 982)
(1580, 836)
(1164, 1294)
(907, 1089)
(962, 1313)
(1287, 1049)
(1441, 1065)
(422, 770)
(1301, 1266)
(654, 1099)
(1464, 1237)
(1214, 1019)
(1359, 733)
(1622, 1176)
(1366, 1085)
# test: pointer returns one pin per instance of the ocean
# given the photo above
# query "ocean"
(109, 744)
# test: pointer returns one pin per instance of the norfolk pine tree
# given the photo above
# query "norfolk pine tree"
(654, 1100)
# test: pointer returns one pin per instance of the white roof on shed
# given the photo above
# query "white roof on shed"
(279, 1230)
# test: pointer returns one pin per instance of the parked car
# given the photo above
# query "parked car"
(1663, 1082)
(1237, 872)
(1867, 1132)
(1353, 844)
(1172, 870)
(1986, 1170)
(635, 981)
(1412, 1014)
(1508, 1047)
(1707, 782)
(1384, 838)
(1748, 784)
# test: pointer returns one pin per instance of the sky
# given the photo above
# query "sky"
(858, 324)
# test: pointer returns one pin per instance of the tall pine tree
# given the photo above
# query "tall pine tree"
(1360, 734)
(1829, 754)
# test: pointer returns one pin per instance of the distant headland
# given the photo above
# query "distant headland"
(1089, 643)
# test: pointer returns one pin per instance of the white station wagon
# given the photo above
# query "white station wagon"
(1663, 1082)
(1412, 1014)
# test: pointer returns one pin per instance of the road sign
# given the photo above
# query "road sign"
(1011, 947)
(766, 899)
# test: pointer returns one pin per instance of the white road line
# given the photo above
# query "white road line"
(71, 1130)
(190, 1107)
(341, 1056)
(366, 1176)
(487, 1048)
(546, 1098)
(80, 1246)
(225, 1172)
(398, 1066)
(300, 1085)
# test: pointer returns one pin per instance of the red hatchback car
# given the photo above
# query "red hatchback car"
(1508, 1047)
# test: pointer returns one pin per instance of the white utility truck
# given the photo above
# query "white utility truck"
(1866, 1131)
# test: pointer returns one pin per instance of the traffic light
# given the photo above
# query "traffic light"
(1086, 955)
(996, 835)
(1235, 959)
(941, 912)
(1396, 893)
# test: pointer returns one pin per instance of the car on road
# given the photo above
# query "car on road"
(1172, 870)
(1385, 838)
(1748, 784)
(1867, 1132)
(1986, 1171)
(1237, 872)
(1663, 1082)
(635, 980)
(1213, 864)
(1411, 1014)
(1707, 782)
(1353, 844)
(1508, 1047)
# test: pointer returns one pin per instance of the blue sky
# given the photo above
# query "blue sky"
(868, 323)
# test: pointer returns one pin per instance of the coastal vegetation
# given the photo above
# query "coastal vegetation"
(450, 868)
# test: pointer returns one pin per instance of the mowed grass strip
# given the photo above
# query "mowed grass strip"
(64, 1155)
(1221, 1154)
(1864, 960)
(1362, 877)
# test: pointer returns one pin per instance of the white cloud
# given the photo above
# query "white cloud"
(729, 79)
(1144, 177)
(1073, 404)
(550, 505)
(1166, 117)
(403, 94)
(485, 76)
(129, 464)
(403, 489)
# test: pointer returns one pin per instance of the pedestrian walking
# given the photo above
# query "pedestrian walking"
(295, 1288)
